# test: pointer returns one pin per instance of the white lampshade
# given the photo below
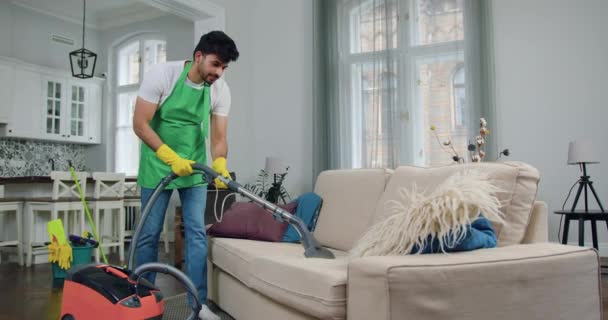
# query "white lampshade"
(274, 165)
(582, 152)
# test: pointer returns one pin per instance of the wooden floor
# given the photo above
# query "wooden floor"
(27, 293)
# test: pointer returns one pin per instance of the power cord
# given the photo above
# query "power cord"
(220, 217)
(563, 208)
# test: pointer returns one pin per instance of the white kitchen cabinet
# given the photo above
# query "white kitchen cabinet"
(25, 118)
(69, 107)
(52, 105)
(94, 115)
(7, 76)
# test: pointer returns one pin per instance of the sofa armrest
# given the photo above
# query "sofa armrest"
(533, 281)
(538, 230)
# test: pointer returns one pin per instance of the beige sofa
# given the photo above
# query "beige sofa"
(524, 278)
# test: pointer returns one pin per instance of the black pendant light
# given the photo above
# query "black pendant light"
(82, 61)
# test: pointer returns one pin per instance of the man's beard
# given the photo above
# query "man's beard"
(210, 78)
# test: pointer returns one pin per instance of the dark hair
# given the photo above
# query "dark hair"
(218, 43)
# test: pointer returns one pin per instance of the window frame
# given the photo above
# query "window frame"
(410, 135)
(118, 89)
(464, 123)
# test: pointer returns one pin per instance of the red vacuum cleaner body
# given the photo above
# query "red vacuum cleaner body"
(100, 291)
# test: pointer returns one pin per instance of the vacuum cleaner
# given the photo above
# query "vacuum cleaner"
(102, 291)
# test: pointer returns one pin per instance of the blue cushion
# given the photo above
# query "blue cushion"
(479, 235)
(309, 205)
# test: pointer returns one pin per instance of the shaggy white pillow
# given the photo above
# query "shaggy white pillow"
(444, 214)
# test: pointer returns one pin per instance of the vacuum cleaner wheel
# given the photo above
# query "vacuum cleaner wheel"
(68, 317)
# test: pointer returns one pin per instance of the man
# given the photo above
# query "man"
(178, 105)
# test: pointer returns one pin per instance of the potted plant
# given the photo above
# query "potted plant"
(271, 191)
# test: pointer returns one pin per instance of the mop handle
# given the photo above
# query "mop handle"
(86, 209)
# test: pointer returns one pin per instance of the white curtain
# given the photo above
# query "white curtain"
(393, 69)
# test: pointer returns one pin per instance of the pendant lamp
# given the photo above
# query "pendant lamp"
(82, 61)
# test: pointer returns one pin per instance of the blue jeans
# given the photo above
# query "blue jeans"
(193, 211)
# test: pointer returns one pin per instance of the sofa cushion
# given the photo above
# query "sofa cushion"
(235, 255)
(349, 201)
(313, 286)
(248, 220)
(518, 183)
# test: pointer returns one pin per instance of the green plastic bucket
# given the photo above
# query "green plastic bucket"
(80, 254)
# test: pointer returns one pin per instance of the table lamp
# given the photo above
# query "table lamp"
(583, 153)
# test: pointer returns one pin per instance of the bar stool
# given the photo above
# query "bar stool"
(9, 206)
(108, 199)
(132, 203)
(65, 199)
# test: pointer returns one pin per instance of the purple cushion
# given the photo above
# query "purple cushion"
(247, 220)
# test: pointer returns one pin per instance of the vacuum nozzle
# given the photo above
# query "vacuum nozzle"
(318, 252)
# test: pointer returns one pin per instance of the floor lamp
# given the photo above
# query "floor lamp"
(583, 153)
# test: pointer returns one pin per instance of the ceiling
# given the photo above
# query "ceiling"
(100, 14)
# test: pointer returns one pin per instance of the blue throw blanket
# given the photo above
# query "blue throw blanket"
(309, 205)
(479, 235)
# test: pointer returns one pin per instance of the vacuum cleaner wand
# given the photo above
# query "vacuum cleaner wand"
(312, 248)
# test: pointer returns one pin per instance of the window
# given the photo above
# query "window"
(458, 98)
(406, 73)
(130, 69)
(373, 30)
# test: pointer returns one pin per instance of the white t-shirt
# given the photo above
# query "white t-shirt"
(160, 81)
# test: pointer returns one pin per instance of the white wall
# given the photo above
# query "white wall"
(551, 69)
(6, 29)
(271, 86)
(31, 37)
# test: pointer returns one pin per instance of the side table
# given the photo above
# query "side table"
(581, 216)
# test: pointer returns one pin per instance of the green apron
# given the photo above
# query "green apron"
(178, 124)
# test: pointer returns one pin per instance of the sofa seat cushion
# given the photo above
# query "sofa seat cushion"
(234, 256)
(518, 183)
(313, 286)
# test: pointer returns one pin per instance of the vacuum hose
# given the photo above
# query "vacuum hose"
(312, 248)
(180, 276)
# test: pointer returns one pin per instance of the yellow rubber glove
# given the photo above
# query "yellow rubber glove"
(53, 252)
(219, 166)
(65, 256)
(179, 166)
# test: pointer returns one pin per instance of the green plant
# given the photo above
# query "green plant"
(270, 190)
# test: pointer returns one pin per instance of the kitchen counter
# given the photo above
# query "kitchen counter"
(43, 179)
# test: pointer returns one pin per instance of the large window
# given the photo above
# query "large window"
(133, 59)
(373, 76)
(405, 68)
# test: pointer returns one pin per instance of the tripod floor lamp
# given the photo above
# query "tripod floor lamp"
(583, 153)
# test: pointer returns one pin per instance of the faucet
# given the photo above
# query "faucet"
(52, 164)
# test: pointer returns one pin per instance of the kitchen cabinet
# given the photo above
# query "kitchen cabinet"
(7, 74)
(25, 119)
(71, 110)
(51, 105)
